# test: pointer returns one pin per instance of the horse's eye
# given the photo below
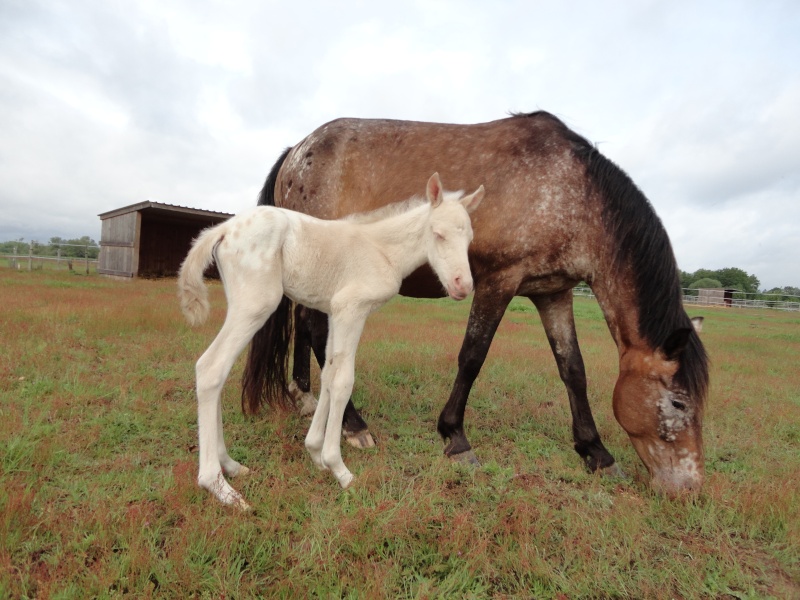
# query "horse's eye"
(439, 236)
(678, 405)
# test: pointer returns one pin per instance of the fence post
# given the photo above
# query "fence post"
(86, 255)
(30, 256)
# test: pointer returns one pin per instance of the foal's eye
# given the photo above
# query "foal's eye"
(678, 405)
(439, 236)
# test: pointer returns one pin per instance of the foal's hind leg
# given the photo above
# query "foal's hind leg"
(555, 311)
(245, 316)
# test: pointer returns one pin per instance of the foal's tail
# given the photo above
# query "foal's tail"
(192, 291)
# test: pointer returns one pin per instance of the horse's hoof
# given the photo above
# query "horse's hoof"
(359, 439)
(466, 458)
(308, 404)
(613, 471)
(305, 401)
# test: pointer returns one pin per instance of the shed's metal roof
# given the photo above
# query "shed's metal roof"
(164, 209)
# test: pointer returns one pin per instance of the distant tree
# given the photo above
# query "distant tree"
(74, 248)
(729, 277)
(705, 283)
(13, 246)
(787, 293)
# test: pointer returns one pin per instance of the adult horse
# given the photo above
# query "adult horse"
(560, 213)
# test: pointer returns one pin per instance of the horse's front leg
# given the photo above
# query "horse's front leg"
(558, 320)
(492, 296)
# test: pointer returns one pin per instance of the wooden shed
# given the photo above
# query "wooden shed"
(716, 296)
(150, 239)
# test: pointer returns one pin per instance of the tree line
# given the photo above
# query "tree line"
(735, 279)
(69, 248)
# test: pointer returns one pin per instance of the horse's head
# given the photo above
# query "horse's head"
(449, 236)
(662, 414)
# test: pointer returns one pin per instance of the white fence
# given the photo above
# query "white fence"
(32, 260)
(739, 300)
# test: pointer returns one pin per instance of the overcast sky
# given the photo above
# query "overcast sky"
(108, 103)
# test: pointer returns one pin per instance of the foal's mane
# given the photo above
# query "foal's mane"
(384, 212)
(641, 242)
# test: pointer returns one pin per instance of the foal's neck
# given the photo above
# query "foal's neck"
(401, 238)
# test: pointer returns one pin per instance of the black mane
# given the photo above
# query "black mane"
(643, 244)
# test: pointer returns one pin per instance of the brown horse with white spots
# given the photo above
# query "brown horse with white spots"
(560, 213)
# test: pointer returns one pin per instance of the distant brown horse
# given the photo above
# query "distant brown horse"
(560, 213)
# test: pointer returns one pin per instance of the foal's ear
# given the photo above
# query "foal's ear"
(434, 190)
(472, 201)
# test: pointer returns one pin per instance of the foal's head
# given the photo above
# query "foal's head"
(449, 236)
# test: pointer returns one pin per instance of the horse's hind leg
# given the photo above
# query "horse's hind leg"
(559, 326)
(300, 386)
(241, 323)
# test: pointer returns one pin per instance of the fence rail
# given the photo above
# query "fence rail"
(31, 262)
(35, 259)
(740, 300)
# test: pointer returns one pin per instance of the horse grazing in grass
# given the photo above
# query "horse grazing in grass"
(345, 268)
(561, 213)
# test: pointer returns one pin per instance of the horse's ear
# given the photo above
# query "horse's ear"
(697, 323)
(676, 343)
(472, 201)
(434, 190)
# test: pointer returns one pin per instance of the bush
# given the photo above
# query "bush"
(705, 283)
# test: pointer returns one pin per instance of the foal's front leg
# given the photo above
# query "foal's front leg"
(337, 383)
(316, 431)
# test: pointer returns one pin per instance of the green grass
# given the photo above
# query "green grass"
(98, 461)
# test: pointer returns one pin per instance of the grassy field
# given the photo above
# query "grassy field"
(98, 455)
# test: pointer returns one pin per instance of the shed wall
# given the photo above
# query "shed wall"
(118, 245)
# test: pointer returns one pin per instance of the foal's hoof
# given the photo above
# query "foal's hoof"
(613, 471)
(242, 506)
(241, 472)
(466, 458)
(359, 439)
(345, 480)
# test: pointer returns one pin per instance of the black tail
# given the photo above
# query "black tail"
(264, 380)
(267, 195)
(267, 366)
